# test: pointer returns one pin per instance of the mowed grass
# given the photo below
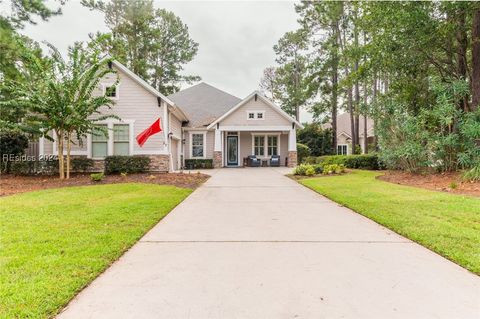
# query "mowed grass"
(54, 242)
(445, 223)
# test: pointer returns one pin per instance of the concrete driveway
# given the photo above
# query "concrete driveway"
(252, 243)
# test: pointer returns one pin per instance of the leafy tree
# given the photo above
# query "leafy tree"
(64, 98)
(153, 43)
(291, 89)
(318, 140)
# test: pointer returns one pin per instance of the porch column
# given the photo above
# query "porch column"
(292, 147)
(217, 150)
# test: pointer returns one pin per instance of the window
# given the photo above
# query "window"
(256, 115)
(258, 145)
(197, 145)
(121, 144)
(111, 91)
(272, 145)
(100, 142)
(342, 149)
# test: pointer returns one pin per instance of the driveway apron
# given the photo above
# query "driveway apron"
(252, 243)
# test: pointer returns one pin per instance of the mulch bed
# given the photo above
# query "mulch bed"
(11, 184)
(446, 182)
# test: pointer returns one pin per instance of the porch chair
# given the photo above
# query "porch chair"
(253, 161)
(275, 160)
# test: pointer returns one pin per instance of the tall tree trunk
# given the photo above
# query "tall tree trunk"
(61, 164)
(476, 60)
(69, 148)
(334, 98)
(375, 83)
(365, 115)
(462, 44)
(357, 89)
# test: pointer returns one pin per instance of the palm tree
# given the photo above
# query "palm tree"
(61, 95)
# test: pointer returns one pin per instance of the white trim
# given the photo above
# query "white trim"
(110, 141)
(264, 99)
(140, 81)
(152, 152)
(41, 146)
(204, 133)
(265, 143)
(255, 115)
(255, 128)
(342, 145)
(292, 140)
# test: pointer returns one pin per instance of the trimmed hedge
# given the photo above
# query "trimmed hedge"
(126, 164)
(34, 167)
(365, 161)
(81, 164)
(303, 151)
(198, 163)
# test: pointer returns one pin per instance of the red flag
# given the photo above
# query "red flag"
(153, 129)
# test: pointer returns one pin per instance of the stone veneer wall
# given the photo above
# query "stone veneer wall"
(217, 159)
(292, 158)
(158, 163)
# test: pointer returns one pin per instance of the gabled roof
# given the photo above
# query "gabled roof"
(343, 125)
(203, 103)
(177, 111)
(264, 99)
(142, 82)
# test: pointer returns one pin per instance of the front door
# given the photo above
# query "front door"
(232, 150)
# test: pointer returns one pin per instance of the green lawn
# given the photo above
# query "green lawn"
(54, 242)
(447, 224)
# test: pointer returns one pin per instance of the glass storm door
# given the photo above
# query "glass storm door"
(232, 150)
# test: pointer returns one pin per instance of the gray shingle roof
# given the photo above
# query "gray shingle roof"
(203, 103)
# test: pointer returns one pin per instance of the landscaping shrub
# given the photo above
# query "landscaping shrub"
(309, 160)
(126, 164)
(97, 177)
(333, 169)
(472, 175)
(82, 164)
(34, 167)
(22, 168)
(307, 170)
(11, 143)
(302, 152)
(365, 161)
(301, 169)
(199, 163)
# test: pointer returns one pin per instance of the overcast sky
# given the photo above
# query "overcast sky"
(235, 38)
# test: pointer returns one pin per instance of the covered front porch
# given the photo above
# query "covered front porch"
(233, 146)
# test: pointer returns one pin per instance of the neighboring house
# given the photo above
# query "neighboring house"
(344, 133)
(201, 122)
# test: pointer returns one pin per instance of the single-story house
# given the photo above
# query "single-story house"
(200, 122)
(344, 133)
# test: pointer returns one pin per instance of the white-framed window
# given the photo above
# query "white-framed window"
(121, 139)
(259, 145)
(272, 145)
(198, 145)
(255, 115)
(111, 90)
(100, 141)
(118, 139)
(342, 149)
(266, 144)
